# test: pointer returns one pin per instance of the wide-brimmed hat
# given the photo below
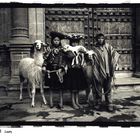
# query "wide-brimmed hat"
(54, 34)
(75, 37)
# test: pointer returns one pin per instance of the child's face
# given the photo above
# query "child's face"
(56, 41)
(101, 40)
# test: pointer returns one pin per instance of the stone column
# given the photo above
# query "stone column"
(137, 42)
(19, 44)
(19, 31)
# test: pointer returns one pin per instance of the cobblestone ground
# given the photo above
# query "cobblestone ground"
(127, 109)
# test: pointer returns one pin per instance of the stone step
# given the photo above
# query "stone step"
(128, 84)
(120, 84)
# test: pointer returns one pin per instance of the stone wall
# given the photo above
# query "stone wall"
(36, 24)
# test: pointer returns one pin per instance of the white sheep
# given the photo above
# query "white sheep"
(76, 51)
(30, 69)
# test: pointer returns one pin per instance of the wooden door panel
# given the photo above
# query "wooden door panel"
(116, 27)
(69, 20)
(125, 62)
(121, 44)
(116, 24)
(67, 26)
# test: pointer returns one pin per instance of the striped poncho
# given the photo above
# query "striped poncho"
(106, 59)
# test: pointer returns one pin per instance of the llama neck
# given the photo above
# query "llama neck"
(38, 58)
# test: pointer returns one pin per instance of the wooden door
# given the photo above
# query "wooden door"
(70, 20)
(117, 25)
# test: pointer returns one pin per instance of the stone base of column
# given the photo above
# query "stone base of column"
(17, 52)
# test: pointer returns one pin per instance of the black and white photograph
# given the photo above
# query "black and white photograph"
(70, 64)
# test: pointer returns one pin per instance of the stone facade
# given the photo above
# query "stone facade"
(20, 27)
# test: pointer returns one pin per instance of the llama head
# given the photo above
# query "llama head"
(39, 45)
(90, 55)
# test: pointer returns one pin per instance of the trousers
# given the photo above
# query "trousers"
(102, 89)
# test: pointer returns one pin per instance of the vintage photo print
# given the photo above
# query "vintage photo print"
(70, 64)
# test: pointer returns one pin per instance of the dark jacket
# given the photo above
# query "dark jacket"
(56, 60)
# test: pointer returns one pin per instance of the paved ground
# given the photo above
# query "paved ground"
(128, 110)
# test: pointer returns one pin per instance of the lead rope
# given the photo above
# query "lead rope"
(113, 84)
(98, 92)
(58, 73)
(111, 87)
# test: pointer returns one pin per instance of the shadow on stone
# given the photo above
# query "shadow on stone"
(102, 119)
(126, 102)
(20, 114)
(43, 114)
(123, 117)
(117, 118)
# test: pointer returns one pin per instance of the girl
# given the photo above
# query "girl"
(75, 79)
(55, 65)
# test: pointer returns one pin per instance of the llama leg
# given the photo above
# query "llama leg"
(73, 100)
(88, 90)
(28, 88)
(90, 96)
(51, 99)
(21, 86)
(77, 100)
(21, 92)
(33, 95)
(42, 93)
(61, 98)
